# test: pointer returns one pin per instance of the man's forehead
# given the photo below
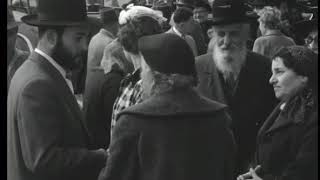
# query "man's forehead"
(229, 27)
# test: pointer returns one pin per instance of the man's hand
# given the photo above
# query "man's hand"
(250, 175)
(254, 175)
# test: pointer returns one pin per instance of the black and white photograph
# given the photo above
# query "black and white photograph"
(162, 90)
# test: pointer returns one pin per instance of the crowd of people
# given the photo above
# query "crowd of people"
(183, 90)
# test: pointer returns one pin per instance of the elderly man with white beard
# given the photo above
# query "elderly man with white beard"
(232, 75)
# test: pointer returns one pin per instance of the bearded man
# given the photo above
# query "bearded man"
(239, 78)
(47, 137)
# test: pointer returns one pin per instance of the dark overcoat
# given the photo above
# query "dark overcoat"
(176, 135)
(252, 102)
(287, 146)
(98, 99)
(46, 134)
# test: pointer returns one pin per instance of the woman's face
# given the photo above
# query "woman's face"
(285, 81)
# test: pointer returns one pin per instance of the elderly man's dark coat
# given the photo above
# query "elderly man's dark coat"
(176, 135)
(46, 134)
(251, 103)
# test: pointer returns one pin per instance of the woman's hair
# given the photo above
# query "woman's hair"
(270, 17)
(302, 61)
(135, 28)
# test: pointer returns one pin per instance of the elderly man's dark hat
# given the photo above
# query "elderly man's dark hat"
(58, 13)
(185, 3)
(11, 22)
(228, 12)
(108, 15)
(167, 53)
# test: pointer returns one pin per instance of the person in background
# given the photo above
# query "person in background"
(308, 30)
(232, 75)
(166, 12)
(174, 133)
(272, 39)
(47, 137)
(182, 18)
(98, 42)
(201, 11)
(290, 14)
(136, 22)
(254, 6)
(200, 14)
(96, 93)
(287, 143)
(195, 29)
(257, 5)
(104, 88)
(15, 56)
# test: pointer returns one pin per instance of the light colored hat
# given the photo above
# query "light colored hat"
(136, 11)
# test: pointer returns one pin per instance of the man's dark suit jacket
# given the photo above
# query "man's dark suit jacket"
(46, 135)
(251, 103)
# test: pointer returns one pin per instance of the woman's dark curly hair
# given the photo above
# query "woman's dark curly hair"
(130, 33)
(302, 61)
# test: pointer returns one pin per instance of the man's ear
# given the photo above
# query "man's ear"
(52, 38)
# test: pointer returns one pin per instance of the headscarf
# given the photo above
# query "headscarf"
(136, 11)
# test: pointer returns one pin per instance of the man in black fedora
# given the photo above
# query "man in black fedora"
(234, 76)
(47, 137)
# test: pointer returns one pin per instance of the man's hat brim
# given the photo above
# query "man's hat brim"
(225, 21)
(34, 20)
(184, 4)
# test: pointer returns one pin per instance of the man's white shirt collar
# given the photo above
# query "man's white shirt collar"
(176, 31)
(57, 66)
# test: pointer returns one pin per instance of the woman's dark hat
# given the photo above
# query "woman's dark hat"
(58, 13)
(228, 12)
(11, 22)
(167, 53)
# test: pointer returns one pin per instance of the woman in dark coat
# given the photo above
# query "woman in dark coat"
(287, 142)
(174, 134)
